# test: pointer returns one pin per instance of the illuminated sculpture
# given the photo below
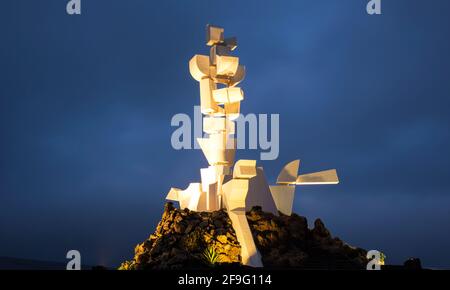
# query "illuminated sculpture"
(240, 187)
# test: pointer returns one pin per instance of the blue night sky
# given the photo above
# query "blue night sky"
(86, 103)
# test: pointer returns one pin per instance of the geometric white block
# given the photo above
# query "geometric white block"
(214, 35)
(188, 198)
(214, 124)
(244, 169)
(228, 95)
(208, 176)
(259, 194)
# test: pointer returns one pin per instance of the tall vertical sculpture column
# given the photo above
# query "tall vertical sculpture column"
(220, 100)
(224, 184)
(218, 75)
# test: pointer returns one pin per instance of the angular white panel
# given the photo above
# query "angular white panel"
(238, 76)
(249, 253)
(218, 50)
(193, 194)
(259, 193)
(232, 110)
(322, 177)
(226, 65)
(220, 96)
(207, 103)
(228, 95)
(173, 194)
(190, 197)
(235, 193)
(199, 66)
(288, 174)
(214, 124)
(208, 176)
(231, 127)
(217, 148)
(212, 198)
(283, 196)
(209, 153)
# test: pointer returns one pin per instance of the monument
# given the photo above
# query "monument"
(235, 186)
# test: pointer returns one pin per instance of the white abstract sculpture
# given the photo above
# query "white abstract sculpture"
(238, 188)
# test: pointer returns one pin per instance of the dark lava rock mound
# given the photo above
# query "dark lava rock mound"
(188, 239)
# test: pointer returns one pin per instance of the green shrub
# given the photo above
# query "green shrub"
(210, 255)
(382, 258)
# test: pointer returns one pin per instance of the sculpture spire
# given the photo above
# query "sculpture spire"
(239, 186)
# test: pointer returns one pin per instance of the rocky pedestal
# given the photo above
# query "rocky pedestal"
(188, 239)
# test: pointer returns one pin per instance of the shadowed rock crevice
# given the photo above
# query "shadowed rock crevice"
(287, 242)
(189, 239)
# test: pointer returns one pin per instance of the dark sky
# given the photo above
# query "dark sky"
(86, 104)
